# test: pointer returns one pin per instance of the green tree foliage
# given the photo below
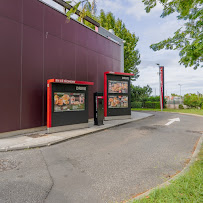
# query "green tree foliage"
(84, 6)
(90, 10)
(140, 94)
(189, 39)
(175, 95)
(193, 100)
(154, 98)
(108, 21)
(131, 54)
(140, 98)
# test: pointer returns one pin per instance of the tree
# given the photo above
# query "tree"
(189, 39)
(89, 11)
(140, 93)
(108, 21)
(86, 6)
(175, 95)
(131, 55)
(193, 100)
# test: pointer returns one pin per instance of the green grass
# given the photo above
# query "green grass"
(191, 111)
(186, 188)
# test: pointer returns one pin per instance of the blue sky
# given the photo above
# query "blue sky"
(150, 28)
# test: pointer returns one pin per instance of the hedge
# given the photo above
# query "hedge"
(147, 104)
(152, 105)
(136, 104)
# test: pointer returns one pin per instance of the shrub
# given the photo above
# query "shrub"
(144, 99)
(136, 104)
(181, 106)
(157, 99)
(154, 98)
(193, 100)
(152, 105)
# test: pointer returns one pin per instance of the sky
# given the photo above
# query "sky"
(150, 28)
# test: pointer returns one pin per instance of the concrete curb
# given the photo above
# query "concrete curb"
(189, 114)
(185, 169)
(70, 138)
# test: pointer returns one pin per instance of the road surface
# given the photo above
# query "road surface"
(108, 166)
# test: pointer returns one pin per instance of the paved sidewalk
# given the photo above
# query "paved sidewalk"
(41, 139)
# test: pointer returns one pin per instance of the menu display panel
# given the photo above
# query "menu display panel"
(117, 86)
(65, 101)
(115, 101)
(117, 95)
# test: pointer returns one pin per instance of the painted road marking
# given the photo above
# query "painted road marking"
(172, 121)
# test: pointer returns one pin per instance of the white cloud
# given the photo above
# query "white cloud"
(136, 9)
(151, 29)
(133, 8)
(190, 79)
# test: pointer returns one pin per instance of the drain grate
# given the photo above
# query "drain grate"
(6, 164)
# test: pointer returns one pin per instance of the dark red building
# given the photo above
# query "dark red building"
(37, 44)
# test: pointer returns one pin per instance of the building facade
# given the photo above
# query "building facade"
(37, 44)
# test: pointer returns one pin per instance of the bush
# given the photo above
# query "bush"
(193, 100)
(152, 105)
(157, 99)
(136, 104)
(154, 98)
(144, 99)
(181, 106)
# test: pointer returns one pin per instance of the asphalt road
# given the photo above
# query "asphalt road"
(108, 166)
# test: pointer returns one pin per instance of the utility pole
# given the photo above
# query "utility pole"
(161, 84)
(180, 89)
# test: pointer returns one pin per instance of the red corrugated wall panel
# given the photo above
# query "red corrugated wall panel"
(36, 44)
(32, 78)
(10, 74)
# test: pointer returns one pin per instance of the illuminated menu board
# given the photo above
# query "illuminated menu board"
(65, 101)
(115, 101)
(118, 86)
(117, 95)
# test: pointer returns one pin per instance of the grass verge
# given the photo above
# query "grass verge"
(191, 111)
(186, 188)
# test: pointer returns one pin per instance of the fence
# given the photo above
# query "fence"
(173, 103)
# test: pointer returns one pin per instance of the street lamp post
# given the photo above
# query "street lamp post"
(160, 87)
(180, 89)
